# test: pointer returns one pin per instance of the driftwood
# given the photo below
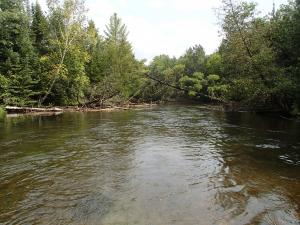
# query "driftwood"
(14, 109)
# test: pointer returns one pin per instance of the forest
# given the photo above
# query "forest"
(58, 57)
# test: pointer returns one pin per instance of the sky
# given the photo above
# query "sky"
(165, 26)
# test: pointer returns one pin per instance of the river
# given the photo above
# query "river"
(169, 165)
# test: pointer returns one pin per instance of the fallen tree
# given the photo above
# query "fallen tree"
(185, 90)
(15, 109)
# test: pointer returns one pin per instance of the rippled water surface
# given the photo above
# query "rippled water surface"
(161, 166)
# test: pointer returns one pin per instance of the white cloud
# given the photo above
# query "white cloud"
(156, 4)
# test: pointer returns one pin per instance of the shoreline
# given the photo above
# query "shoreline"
(20, 111)
(11, 111)
(54, 111)
(108, 108)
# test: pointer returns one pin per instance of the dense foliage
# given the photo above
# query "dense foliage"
(260, 55)
(60, 58)
(257, 64)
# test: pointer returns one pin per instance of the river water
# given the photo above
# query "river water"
(163, 166)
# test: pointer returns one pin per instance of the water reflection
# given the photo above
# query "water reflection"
(168, 165)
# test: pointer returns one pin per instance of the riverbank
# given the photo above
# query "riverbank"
(12, 111)
(15, 111)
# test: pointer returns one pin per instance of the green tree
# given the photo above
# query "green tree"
(121, 69)
(67, 35)
(17, 57)
(247, 55)
(192, 84)
(95, 48)
(215, 88)
(40, 30)
(166, 73)
(285, 36)
(214, 64)
(194, 60)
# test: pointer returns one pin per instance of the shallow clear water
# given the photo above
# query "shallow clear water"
(166, 165)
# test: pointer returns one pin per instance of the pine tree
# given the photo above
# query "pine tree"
(16, 53)
(39, 30)
(119, 54)
(95, 48)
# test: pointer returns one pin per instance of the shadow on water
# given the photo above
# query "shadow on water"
(168, 165)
